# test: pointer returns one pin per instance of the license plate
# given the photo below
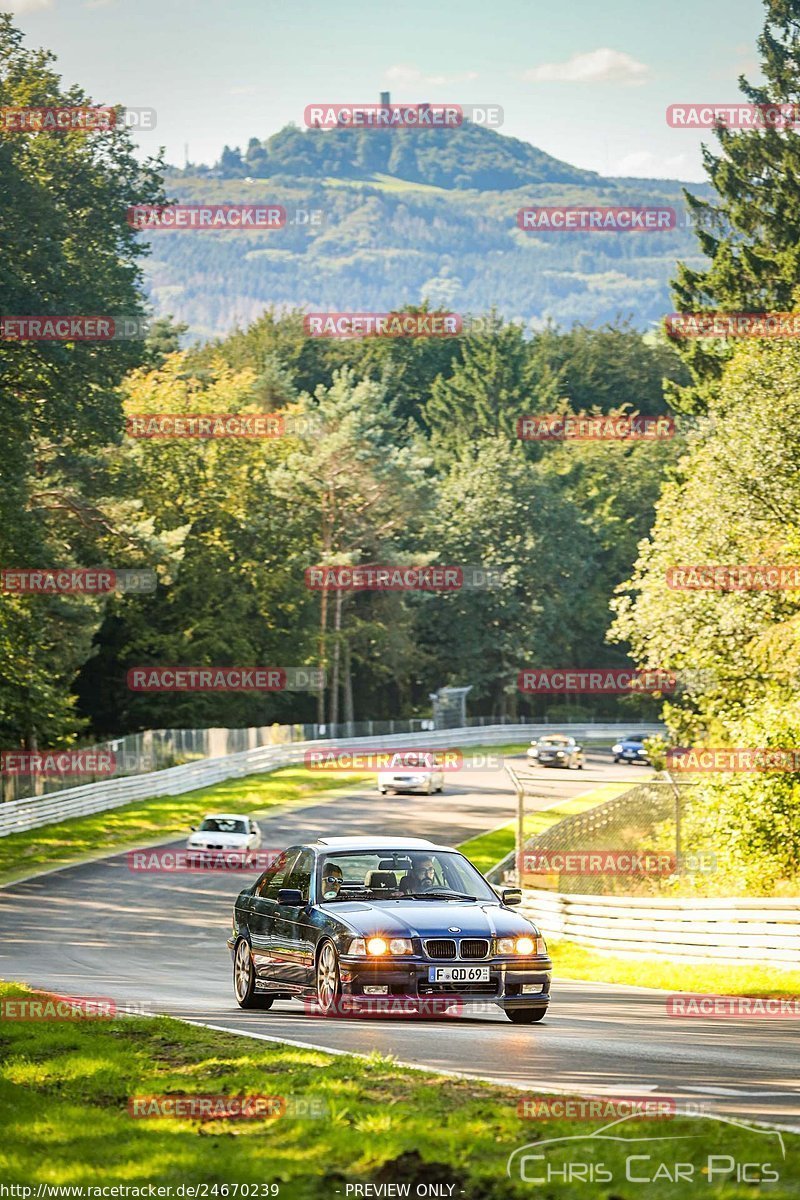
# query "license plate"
(458, 974)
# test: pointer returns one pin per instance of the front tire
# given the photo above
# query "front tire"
(525, 1016)
(244, 979)
(329, 980)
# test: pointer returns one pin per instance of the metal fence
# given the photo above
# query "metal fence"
(694, 929)
(21, 814)
(631, 844)
(158, 749)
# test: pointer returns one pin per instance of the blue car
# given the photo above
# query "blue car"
(630, 750)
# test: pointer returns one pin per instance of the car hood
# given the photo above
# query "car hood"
(631, 745)
(427, 918)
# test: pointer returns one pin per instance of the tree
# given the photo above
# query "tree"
(58, 400)
(735, 499)
(493, 384)
(751, 230)
(365, 487)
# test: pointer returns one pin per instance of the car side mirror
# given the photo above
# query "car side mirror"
(511, 896)
(291, 896)
(193, 828)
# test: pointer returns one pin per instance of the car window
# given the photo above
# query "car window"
(272, 879)
(223, 825)
(300, 874)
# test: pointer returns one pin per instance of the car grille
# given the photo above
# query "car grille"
(467, 948)
(441, 948)
(474, 948)
(458, 989)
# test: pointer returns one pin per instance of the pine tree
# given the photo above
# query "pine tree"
(751, 231)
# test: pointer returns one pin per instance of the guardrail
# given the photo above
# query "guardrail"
(19, 815)
(720, 929)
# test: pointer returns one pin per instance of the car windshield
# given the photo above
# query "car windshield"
(634, 737)
(223, 825)
(554, 741)
(393, 874)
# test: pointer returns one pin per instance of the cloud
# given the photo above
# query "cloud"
(245, 90)
(646, 164)
(21, 6)
(406, 76)
(598, 66)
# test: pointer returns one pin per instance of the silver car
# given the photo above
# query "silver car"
(425, 778)
(556, 750)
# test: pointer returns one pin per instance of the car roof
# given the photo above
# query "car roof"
(225, 816)
(376, 843)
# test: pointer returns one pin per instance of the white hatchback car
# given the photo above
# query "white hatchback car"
(225, 831)
(412, 778)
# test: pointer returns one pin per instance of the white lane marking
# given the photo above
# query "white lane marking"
(432, 1070)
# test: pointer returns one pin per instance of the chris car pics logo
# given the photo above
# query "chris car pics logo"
(702, 1158)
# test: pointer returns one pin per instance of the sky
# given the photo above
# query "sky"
(588, 83)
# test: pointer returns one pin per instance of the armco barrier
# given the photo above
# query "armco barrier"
(19, 815)
(721, 929)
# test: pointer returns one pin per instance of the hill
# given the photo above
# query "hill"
(379, 219)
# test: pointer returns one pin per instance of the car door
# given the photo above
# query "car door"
(293, 934)
(262, 908)
(254, 835)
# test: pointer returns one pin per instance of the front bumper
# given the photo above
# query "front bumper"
(410, 978)
(398, 785)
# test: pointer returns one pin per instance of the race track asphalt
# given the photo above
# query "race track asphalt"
(158, 941)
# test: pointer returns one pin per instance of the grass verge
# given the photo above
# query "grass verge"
(146, 820)
(66, 1087)
(487, 849)
(572, 961)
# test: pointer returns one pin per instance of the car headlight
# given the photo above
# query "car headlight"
(376, 947)
(616, 749)
(559, 753)
(521, 945)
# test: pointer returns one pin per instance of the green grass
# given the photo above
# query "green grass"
(572, 961)
(146, 820)
(65, 1088)
(487, 849)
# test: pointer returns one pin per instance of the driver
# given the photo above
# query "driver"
(332, 880)
(421, 877)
